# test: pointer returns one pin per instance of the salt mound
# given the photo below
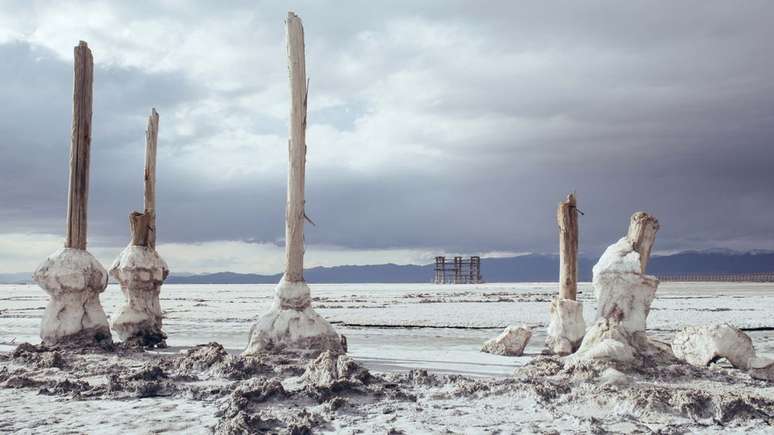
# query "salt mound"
(702, 345)
(511, 342)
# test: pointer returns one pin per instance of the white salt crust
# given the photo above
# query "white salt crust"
(624, 296)
(74, 279)
(292, 325)
(141, 271)
(700, 345)
(566, 328)
(511, 342)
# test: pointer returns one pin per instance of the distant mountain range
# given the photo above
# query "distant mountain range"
(524, 268)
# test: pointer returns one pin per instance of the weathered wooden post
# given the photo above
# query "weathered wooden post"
(567, 218)
(72, 276)
(292, 324)
(566, 328)
(139, 268)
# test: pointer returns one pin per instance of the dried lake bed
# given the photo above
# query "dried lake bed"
(392, 330)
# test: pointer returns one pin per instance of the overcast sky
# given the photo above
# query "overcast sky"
(434, 127)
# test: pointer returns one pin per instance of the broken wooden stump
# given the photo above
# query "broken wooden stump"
(72, 276)
(139, 268)
(566, 327)
(291, 324)
(624, 295)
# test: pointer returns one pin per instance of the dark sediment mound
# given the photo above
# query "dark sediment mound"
(213, 360)
(285, 393)
(710, 397)
(40, 356)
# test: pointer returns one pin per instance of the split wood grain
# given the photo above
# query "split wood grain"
(294, 216)
(567, 218)
(80, 148)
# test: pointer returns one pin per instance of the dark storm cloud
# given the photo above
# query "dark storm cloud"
(35, 124)
(636, 107)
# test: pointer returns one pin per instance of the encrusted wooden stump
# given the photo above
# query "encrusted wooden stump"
(291, 324)
(624, 294)
(72, 276)
(139, 268)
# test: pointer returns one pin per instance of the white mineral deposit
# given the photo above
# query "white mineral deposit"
(701, 345)
(511, 342)
(624, 296)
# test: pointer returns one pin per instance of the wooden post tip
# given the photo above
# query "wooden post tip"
(293, 17)
(83, 44)
(641, 215)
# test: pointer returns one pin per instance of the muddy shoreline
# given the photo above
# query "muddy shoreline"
(296, 395)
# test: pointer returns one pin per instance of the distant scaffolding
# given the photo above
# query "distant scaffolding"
(458, 271)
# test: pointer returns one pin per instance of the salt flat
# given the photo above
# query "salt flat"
(395, 331)
(403, 326)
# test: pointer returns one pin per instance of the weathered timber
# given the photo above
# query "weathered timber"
(140, 227)
(151, 139)
(294, 217)
(143, 225)
(642, 235)
(567, 218)
(80, 144)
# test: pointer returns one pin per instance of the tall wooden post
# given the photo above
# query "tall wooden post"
(72, 276)
(294, 217)
(151, 139)
(80, 147)
(292, 323)
(143, 225)
(567, 218)
(642, 235)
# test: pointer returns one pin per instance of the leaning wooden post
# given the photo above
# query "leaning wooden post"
(139, 268)
(72, 276)
(567, 327)
(292, 324)
(567, 218)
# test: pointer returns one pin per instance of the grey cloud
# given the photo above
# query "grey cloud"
(35, 124)
(670, 111)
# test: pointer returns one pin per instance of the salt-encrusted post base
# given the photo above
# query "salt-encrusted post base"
(141, 271)
(624, 294)
(567, 327)
(74, 316)
(291, 325)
